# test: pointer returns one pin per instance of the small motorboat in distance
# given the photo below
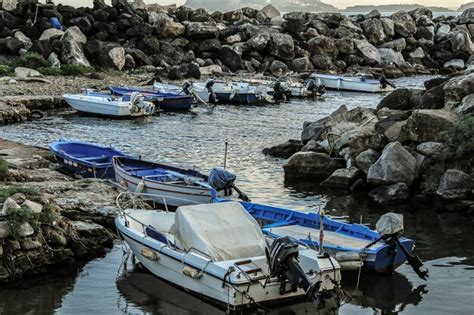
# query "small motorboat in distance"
(347, 83)
(85, 159)
(201, 93)
(350, 244)
(243, 93)
(219, 252)
(103, 104)
(171, 185)
(163, 101)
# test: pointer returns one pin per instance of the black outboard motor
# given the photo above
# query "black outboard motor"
(186, 87)
(384, 82)
(280, 93)
(283, 264)
(221, 179)
(212, 95)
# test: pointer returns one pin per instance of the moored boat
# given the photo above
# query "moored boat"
(165, 101)
(201, 93)
(242, 93)
(349, 243)
(85, 159)
(166, 184)
(242, 269)
(103, 104)
(357, 83)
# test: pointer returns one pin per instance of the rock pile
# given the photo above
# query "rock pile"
(181, 41)
(402, 149)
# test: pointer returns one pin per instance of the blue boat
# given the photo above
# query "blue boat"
(339, 237)
(85, 159)
(164, 101)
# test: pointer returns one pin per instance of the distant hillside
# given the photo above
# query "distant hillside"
(392, 8)
(281, 5)
(466, 6)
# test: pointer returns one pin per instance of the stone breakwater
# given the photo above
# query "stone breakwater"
(184, 43)
(416, 145)
(48, 219)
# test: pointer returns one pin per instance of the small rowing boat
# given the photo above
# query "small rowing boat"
(201, 93)
(166, 184)
(85, 159)
(103, 104)
(357, 84)
(219, 252)
(164, 101)
(348, 243)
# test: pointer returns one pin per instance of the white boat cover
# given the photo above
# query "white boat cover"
(223, 231)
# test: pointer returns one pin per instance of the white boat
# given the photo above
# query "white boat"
(359, 84)
(219, 252)
(189, 88)
(110, 105)
(237, 92)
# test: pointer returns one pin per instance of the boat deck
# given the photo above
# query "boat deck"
(330, 238)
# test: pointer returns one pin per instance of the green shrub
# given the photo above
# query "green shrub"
(76, 69)
(18, 216)
(460, 136)
(5, 70)
(54, 71)
(7, 191)
(32, 60)
(3, 169)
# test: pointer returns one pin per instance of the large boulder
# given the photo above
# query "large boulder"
(391, 56)
(398, 99)
(457, 88)
(388, 26)
(433, 98)
(278, 68)
(442, 32)
(366, 159)
(373, 31)
(270, 11)
(259, 42)
(51, 33)
(370, 54)
(284, 150)
(395, 165)
(390, 193)
(311, 165)
(300, 64)
(467, 105)
(72, 51)
(282, 46)
(467, 16)
(428, 124)
(170, 28)
(230, 58)
(342, 178)
(200, 30)
(312, 130)
(322, 45)
(431, 149)
(461, 42)
(396, 44)
(26, 43)
(455, 184)
(404, 23)
(116, 58)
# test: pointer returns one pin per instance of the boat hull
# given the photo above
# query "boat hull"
(380, 258)
(355, 84)
(101, 106)
(215, 282)
(83, 163)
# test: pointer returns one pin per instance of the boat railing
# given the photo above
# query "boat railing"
(153, 199)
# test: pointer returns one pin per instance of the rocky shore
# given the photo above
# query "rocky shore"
(181, 42)
(48, 219)
(416, 146)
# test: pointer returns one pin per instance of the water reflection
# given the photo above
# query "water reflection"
(141, 289)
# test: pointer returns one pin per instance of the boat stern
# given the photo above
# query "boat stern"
(389, 257)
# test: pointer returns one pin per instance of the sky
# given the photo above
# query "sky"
(454, 4)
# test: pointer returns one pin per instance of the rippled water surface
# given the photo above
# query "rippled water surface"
(442, 240)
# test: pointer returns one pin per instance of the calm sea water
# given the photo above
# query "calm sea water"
(442, 240)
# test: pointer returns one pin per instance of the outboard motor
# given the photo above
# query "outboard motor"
(186, 86)
(221, 179)
(390, 227)
(283, 264)
(210, 91)
(280, 93)
(384, 82)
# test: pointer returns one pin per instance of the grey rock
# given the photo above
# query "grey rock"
(442, 32)
(202, 30)
(366, 159)
(457, 64)
(426, 125)
(311, 165)
(259, 42)
(374, 31)
(312, 130)
(313, 146)
(404, 23)
(282, 46)
(390, 193)
(25, 229)
(370, 54)
(395, 165)
(417, 53)
(284, 150)
(431, 149)
(72, 51)
(457, 88)
(391, 57)
(33, 206)
(51, 33)
(388, 26)
(23, 39)
(54, 61)
(22, 72)
(455, 184)
(322, 45)
(342, 178)
(398, 99)
(461, 42)
(170, 28)
(117, 57)
(270, 11)
(278, 68)
(4, 229)
(467, 105)
(396, 44)
(230, 58)
(397, 132)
